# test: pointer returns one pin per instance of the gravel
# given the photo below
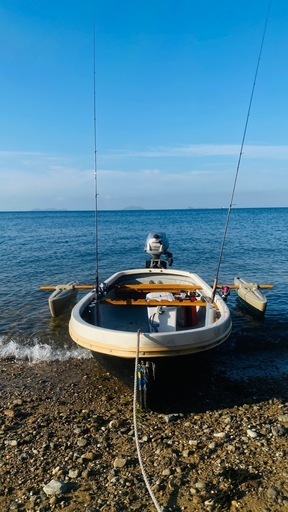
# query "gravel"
(67, 441)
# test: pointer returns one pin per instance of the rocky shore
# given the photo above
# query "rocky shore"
(208, 443)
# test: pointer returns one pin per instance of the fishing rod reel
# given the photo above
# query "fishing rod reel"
(225, 292)
(102, 289)
(157, 246)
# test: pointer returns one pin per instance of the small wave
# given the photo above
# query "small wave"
(39, 352)
(245, 366)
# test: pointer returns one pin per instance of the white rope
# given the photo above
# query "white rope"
(157, 506)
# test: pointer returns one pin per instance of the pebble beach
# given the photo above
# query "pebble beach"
(67, 442)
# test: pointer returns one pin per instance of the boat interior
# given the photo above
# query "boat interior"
(153, 307)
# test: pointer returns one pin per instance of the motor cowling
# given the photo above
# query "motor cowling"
(157, 245)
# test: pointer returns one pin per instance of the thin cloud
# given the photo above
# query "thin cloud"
(203, 150)
(32, 158)
(34, 179)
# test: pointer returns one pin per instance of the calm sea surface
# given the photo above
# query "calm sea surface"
(40, 248)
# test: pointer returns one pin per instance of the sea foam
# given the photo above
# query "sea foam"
(38, 352)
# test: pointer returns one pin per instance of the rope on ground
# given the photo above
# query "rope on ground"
(157, 506)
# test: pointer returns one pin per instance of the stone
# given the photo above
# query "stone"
(173, 417)
(81, 441)
(200, 485)
(252, 434)
(73, 473)
(220, 435)
(55, 487)
(89, 456)
(278, 430)
(114, 424)
(119, 462)
(9, 413)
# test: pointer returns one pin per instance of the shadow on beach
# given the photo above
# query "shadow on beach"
(209, 380)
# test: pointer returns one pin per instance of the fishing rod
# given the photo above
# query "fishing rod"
(215, 284)
(95, 167)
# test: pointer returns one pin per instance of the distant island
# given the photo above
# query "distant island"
(133, 208)
(49, 210)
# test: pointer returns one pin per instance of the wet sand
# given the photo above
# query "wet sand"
(208, 443)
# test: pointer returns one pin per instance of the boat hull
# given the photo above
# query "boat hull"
(103, 326)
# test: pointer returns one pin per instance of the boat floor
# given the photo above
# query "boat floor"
(130, 318)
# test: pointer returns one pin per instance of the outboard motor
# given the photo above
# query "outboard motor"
(157, 245)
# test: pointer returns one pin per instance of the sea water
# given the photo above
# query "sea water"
(50, 247)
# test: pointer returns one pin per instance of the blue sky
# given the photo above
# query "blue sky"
(173, 83)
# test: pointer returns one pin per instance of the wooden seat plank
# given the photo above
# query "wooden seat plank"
(148, 287)
(144, 302)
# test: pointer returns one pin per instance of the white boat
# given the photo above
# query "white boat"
(171, 312)
(250, 295)
(61, 298)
